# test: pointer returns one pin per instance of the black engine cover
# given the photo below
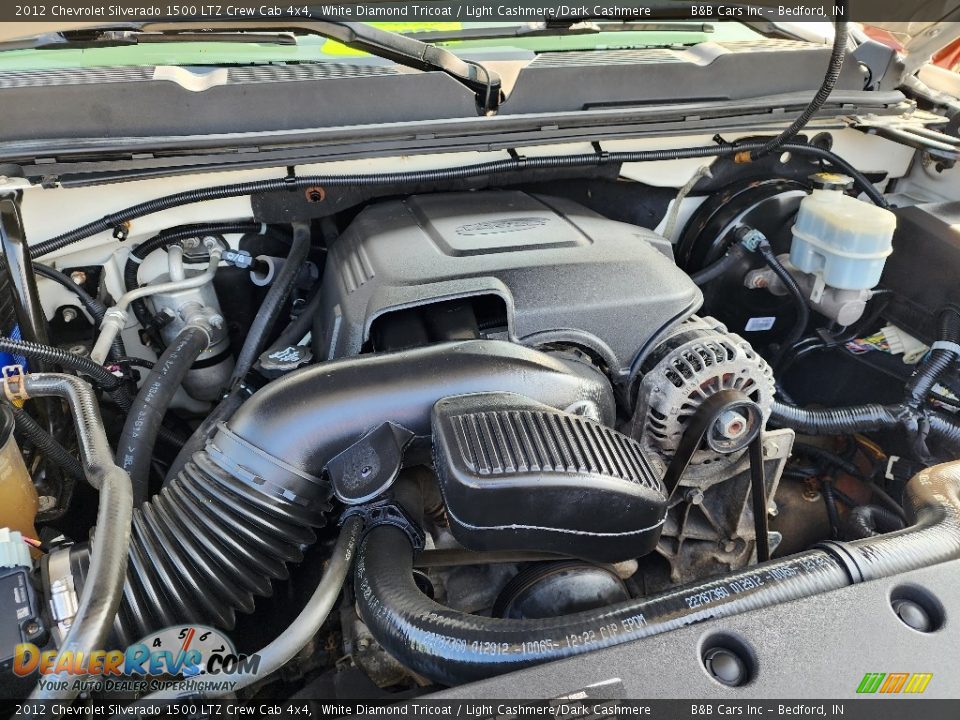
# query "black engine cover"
(519, 475)
(537, 270)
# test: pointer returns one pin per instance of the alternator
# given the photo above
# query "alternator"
(697, 360)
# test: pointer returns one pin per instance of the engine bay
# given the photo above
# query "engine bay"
(471, 419)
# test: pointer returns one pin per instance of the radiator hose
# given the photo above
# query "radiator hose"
(452, 647)
(217, 535)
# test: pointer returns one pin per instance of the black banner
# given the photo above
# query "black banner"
(466, 11)
(487, 709)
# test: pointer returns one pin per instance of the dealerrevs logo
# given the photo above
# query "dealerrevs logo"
(894, 683)
(180, 652)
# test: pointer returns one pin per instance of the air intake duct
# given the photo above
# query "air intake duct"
(216, 536)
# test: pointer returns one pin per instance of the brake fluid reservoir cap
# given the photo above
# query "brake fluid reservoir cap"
(13, 550)
(831, 181)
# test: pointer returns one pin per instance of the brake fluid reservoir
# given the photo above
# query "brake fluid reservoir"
(843, 240)
(18, 496)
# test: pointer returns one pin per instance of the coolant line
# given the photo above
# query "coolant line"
(452, 647)
(103, 585)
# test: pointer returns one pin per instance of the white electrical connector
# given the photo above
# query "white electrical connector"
(903, 343)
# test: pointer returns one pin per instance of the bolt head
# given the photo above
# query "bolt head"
(46, 502)
(69, 315)
(79, 277)
(694, 496)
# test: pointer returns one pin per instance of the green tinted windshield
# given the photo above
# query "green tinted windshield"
(317, 49)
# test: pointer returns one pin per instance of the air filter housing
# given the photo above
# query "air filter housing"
(519, 475)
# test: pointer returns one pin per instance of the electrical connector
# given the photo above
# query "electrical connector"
(901, 342)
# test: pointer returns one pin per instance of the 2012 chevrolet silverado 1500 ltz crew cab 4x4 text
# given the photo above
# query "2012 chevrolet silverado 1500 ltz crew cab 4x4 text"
(532, 353)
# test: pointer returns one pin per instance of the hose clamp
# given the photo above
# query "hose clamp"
(947, 345)
(14, 385)
(62, 592)
(260, 469)
(387, 512)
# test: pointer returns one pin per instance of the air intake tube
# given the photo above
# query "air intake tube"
(216, 536)
(452, 647)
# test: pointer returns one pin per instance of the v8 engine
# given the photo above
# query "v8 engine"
(440, 427)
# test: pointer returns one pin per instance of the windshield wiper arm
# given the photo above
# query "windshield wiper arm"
(74, 39)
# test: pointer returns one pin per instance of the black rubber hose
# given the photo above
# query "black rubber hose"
(414, 177)
(711, 272)
(29, 429)
(830, 500)
(299, 326)
(176, 234)
(452, 647)
(143, 423)
(865, 521)
(136, 362)
(56, 356)
(799, 302)
(273, 304)
(837, 55)
(939, 360)
(829, 458)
